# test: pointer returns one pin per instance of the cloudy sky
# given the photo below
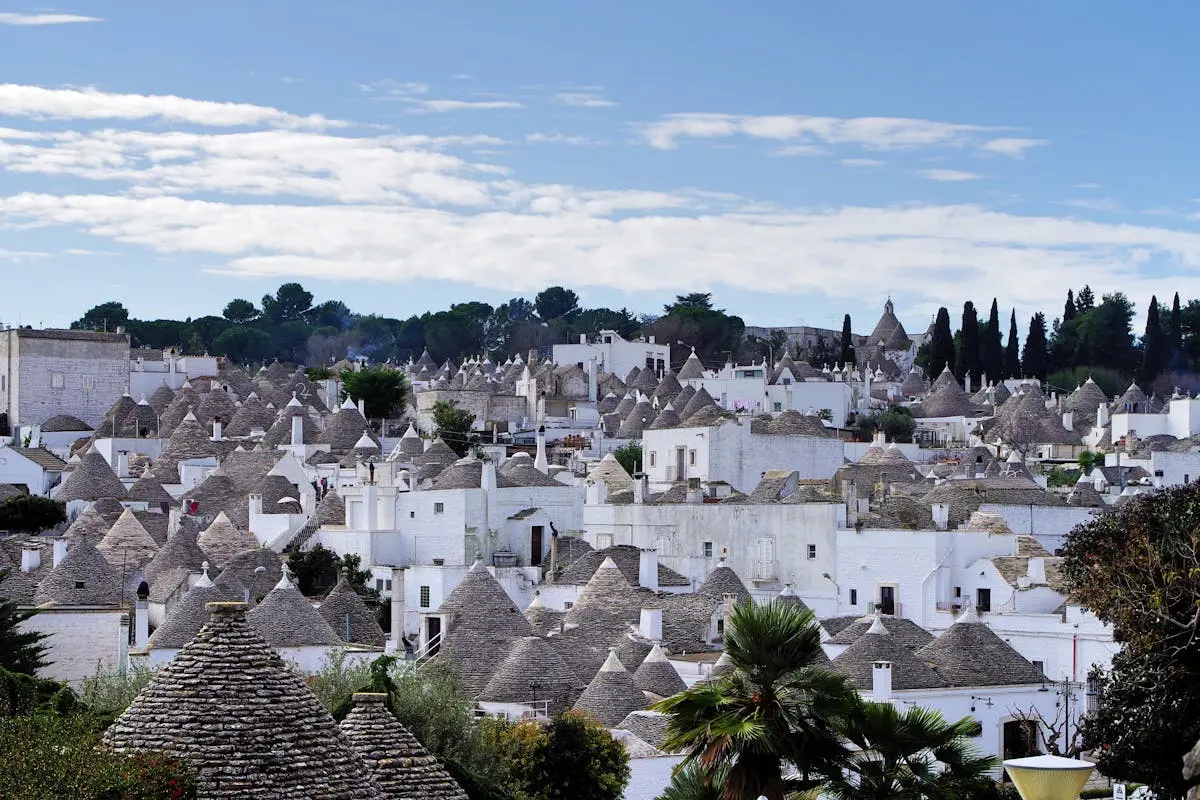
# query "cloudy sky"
(800, 160)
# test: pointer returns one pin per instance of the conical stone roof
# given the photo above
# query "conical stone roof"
(244, 722)
(667, 418)
(612, 695)
(857, 662)
(92, 479)
(331, 510)
(186, 399)
(280, 433)
(969, 653)
(162, 398)
(889, 331)
(410, 443)
(83, 578)
(147, 489)
(90, 525)
(692, 368)
(723, 581)
(639, 418)
(701, 399)
(1085, 401)
(140, 422)
(543, 618)
(65, 423)
(533, 671)
(185, 619)
(343, 608)
(127, 542)
(656, 675)
(222, 540)
(402, 768)
(344, 429)
(253, 413)
(607, 404)
(188, 440)
(117, 412)
(181, 552)
(285, 618)
(625, 405)
(668, 388)
(612, 473)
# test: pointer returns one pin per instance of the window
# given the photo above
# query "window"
(958, 591)
(1187, 478)
(854, 597)
(412, 515)
(720, 626)
(88, 382)
(812, 552)
(983, 599)
(439, 508)
(778, 406)
(1040, 666)
(707, 549)
(4, 383)
(692, 459)
(568, 605)
(765, 568)
(79, 584)
(652, 459)
(424, 597)
(604, 540)
(57, 380)
(379, 584)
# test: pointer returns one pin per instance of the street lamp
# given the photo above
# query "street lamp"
(1048, 777)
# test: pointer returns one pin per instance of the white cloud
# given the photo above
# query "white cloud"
(582, 100)
(18, 100)
(861, 162)
(800, 150)
(1093, 203)
(878, 133)
(414, 94)
(1087, 186)
(442, 106)
(947, 175)
(554, 137)
(16, 18)
(1012, 147)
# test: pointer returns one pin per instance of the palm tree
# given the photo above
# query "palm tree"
(768, 728)
(908, 755)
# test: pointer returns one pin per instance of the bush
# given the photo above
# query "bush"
(629, 456)
(572, 758)
(30, 514)
(109, 693)
(22, 694)
(48, 756)
(336, 681)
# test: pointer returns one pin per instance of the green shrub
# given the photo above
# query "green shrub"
(109, 693)
(22, 694)
(337, 680)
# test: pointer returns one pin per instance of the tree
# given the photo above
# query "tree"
(1012, 354)
(1175, 328)
(692, 320)
(897, 424)
(1135, 568)
(691, 783)
(1155, 350)
(846, 356)
(909, 754)
(1033, 356)
(330, 314)
(941, 344)
(290, 302)
(1106, 334)
(594, 320)
(383, 390)
(104, 317)
(768, 726)
(991, 352)
(243, 345)
(572, 758)
(1085, 301)
(967, 363)
(556, 303)
(454, 425)
(629, 456)
(202, 333)
(239, 311)
(21, 650)
(315, 570)
(1069, 307)
(31, 514)
(690, 303)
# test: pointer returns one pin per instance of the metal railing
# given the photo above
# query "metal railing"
(430, 649)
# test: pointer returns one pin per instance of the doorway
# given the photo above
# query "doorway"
(887, 600)
(535, 545)
(433, 635)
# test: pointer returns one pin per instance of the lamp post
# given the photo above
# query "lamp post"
(1048, 777)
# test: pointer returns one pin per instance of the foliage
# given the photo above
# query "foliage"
(107, 694)
(243, 345)
(629, 456)
(104, 317)
(1135, 568)
(941, 345)
(692, 320)
(239, 311)
(572, 758)
(556, 303)
(318, 373)
(1088, 460)
(846, 342)
(31, 514)
(290, 302)
(383, 390)
(897, 424)
(1097, 334)
(337, 680)
(1012, 353)
(1033, 355)
(967, 354)
(21, 694)
(769, 725)
(454, 424)
(1154, 346)
(691, 783)
(1110, 382)
(909, 754)
(51, 756)
(1059, 478)
(20, 650)
(315, 570)
(991, 352)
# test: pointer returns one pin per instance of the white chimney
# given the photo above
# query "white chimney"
(31, 559)
(398, 610)
(122, 464)
(141, 622)
(593, 393)
(1102, 415)
(941, 516)
(216, 437)
(540, 461)
(1069, 420)
(641, 488)
(488, 478)
(1037, 569)
(648, 570)
(60, 551)
(650, 626)
(583, 338)
(297, 429)
(881, 681)
(362, 407)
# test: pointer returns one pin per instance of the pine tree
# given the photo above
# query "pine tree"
(20, 649)
(847, 351)
(1085, 302)
(1012, 356)
(1069, 307)
(941, 344)
(967, 363)
(1033, 357)
(1154, 346)
(991, 352)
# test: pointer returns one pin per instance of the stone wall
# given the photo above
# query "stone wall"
(48, 374)
(82, 641)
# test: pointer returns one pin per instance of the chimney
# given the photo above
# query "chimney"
(1037, 569)
(540, 461)
(297, 429)
(593, 393)
(583, 338)
(881, 681)
(123, 644)
(694, 494)
(553, 552)
(60, 551)
(650, 626)
(648, 570)
(641, 488)
(1069, 420)
(122, 464)
(596, 493)
(172, 521)
(398, 610)
(216, 437)
(362, 407)
(31, 558)
(141, 622)
(941, 516)
(967, 383)
(1102, 415)
(488, 476)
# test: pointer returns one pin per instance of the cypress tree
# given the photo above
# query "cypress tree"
(1175, 327)
(21, 649)
(991, 351)
(847, 352)
(1154, 346)
(1033, 358)
(941, 344)
(1069, 307)
(1012, 356)
(967, 362)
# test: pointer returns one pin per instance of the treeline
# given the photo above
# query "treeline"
(1088, 337)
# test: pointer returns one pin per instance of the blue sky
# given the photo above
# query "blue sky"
(800, 160)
